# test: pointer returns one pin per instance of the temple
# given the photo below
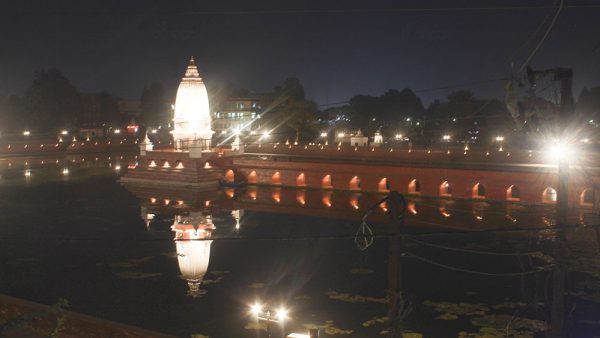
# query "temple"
(192, 120)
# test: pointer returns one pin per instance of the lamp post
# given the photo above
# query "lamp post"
(266, 315)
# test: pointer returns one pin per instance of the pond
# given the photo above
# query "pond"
(190, 262)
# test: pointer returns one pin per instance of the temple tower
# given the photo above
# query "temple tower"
(192, 118)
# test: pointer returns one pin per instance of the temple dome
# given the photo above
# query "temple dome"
(192, 112)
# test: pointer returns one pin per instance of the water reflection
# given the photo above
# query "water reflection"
(192, 240)
(513, 263)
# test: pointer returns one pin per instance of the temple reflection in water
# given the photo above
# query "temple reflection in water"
(192, 240)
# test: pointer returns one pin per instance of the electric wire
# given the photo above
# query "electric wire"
(537, 47)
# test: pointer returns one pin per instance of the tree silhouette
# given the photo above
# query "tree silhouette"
(51, 102)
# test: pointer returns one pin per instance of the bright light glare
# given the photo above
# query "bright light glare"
(323, 134)
(117, 131)
(282, 314)
(446, 137)
(499, 138)
(26, 133)
(340, 135)
(256, 309)
(64, 132)
(559, 151)
(398, 136)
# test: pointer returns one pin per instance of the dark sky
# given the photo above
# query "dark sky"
(337, 49)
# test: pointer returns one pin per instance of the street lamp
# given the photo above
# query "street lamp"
(563, 153)
(279, 316)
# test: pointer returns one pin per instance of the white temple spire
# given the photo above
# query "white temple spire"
(192, 113)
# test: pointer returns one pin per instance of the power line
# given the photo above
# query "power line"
(385, 10)
(543, 37)
(474, 272)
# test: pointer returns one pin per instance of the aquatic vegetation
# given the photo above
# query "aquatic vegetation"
(375, 320)
(451, 311)
(138, 274)
(501, 326)
(212, 281)
(345, 297)
(328, 328)
(130, 263)
(255, 326)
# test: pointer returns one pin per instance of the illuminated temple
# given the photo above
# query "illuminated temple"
(192, 161)
(192, 119)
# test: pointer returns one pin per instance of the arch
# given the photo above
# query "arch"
(301, 196)
(354, 183)
(276, 178)
(513, 193)
(549, 195)
(414, 187)
(587, 198)
(445, 189)
(252, 177)
(327, 198)
(354, 200)
(229, 176)
(300, 180)
(276, 195)
(251, 192)
(412, 208)
(383, 185)
(326, 182)
(478, 191)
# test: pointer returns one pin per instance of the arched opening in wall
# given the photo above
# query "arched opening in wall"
(354, 183)
(513, 193)
(276, 178)
(445, 189)
(587, 198)
(354, 200)
(276, 195)
(383, 185)
(327, 198)
(252, 177)
(549, 195)
(301, 196)
(252, 192)
(414, 187)
(300, 180)
(326, 182)
(478, 191)
(229, 176)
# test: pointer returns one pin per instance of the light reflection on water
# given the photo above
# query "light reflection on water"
(161, 258)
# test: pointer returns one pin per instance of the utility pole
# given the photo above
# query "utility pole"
(565, 76)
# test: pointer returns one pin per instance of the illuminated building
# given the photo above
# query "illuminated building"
(192, 119)
(236, 114)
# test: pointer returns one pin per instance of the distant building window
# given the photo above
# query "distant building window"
(254, 114)
(241, 106)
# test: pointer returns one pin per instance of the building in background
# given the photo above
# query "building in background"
(236, 115)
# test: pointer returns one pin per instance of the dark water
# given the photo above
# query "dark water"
(109, 250)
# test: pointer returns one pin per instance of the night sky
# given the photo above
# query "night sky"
(337, 49)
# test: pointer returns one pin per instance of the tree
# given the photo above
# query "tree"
(288, 111)
(392, 112)
(51, 101)
(154, 108)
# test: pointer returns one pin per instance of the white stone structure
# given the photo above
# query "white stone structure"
(359, 140)
(192, 112)
(146, 145)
